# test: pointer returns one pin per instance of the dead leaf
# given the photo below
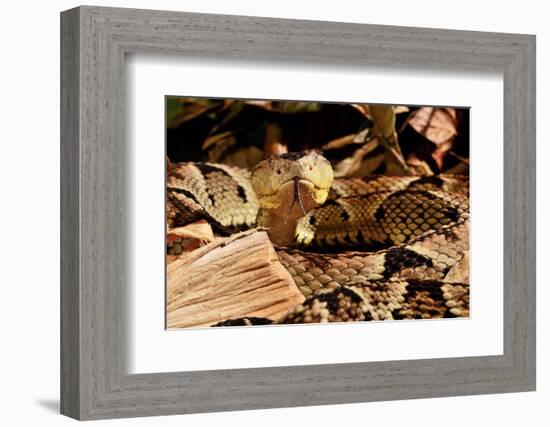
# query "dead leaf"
(440, 152)
(370, 164)
(189, 237)
(363, 109)
(384, 120)
(384, 129)
(358, 164)
(233, 108)
(400, 109)
(245, 157)
(459, 169)
(268, 105)
(224, 138)
(418, 167)
(438, 125)
(296, 107)
(273, 141)
(286, 107)
(339, 142)
(460, 158)
(179, 111)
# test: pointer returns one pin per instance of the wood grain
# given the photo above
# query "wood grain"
(236, 277)
(70, 219)
(96, 277)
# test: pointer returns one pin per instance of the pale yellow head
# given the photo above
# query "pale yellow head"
(291, 184)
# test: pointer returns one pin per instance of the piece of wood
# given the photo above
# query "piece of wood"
(227, 279)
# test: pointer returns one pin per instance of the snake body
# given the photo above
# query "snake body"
(412, 233)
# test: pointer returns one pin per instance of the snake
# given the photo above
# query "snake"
(359, 249)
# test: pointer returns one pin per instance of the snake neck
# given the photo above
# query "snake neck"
(281, 229)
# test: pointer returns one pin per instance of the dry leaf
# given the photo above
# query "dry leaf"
(245, 157)
(384, 128)
(358, 138)
(296, 107)
(286, 107)
(459, 169)
(258, 103)
(384, 121)
(358, 164)
(418, 167)
(370, 164)
(438, 125)
(460, 158)
(440, 152)
(220, 138)
(399, 109)
(273, 141)
(189, 237)
(181, 110)
(339, 142)
(363, 109)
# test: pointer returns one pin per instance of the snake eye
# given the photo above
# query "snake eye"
(278, 171)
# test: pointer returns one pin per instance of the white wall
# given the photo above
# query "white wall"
(29, 177)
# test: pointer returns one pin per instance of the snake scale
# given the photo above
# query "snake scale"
(372, 248)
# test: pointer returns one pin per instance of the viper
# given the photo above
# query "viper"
(371, 248)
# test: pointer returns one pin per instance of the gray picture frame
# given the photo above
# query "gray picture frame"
(94, 271)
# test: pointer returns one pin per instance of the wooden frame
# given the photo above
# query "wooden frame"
(94, 41)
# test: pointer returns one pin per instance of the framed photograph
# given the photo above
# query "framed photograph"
(262, 213)
(358, 227)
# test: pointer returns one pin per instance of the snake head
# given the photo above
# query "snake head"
(292, 184)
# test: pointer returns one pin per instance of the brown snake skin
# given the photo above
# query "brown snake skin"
(413, 233)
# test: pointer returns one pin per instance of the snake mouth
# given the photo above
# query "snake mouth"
(296, 198)
(295, 182)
